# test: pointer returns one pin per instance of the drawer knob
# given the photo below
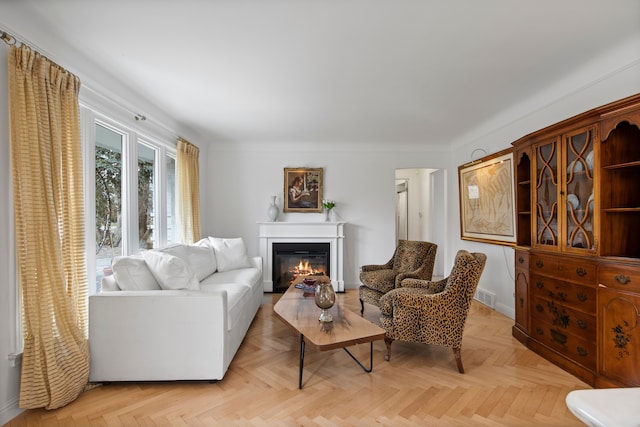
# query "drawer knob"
(539, 263)
(622, 279)
(582, 324)
(581, 351)
(581, 272)
(539, 331)
(521, 302)
(520, 260)
(558, 337)
(539, 285)
(540, 308)
(581, 296)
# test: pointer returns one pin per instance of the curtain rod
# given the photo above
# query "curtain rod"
(7, 38)
(11, 41)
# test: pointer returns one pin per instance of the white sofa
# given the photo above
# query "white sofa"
(178, 313)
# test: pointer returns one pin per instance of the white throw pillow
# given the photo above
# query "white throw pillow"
(177, 249)
(170, 271)
(201, 258)
(202, 261)
(206, 243)
(132, 274)
(231, 254)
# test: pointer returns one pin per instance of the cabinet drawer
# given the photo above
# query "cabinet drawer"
(575, 348)
(571, 269)
(563, 318)
(580, 297)
(620, 276)
(522, 259)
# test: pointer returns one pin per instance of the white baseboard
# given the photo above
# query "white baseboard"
(508, 311)
(9, 411)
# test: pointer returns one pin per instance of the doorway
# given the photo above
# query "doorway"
(402, 207)
(421, 208)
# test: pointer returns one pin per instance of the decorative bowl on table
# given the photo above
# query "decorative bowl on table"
(309, 281)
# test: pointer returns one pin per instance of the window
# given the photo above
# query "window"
(172, 226)
(146, 200)
(131, 194)
(108, 198)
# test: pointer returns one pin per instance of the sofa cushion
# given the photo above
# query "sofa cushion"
(231, 254)
(132, 274)
(200, 258)
(170, 271)
(243, 276)
(237, 297)
(239, 285)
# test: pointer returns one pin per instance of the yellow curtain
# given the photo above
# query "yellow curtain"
(188, 191)
(46, 163)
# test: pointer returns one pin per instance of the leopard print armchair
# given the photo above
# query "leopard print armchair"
(411, 259)
(433, 312)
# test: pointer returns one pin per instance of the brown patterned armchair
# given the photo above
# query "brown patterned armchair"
(411, 259)
(433, 312)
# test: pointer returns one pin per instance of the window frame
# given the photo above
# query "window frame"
(133, 134)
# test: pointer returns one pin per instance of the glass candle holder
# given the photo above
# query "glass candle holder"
(325, 298)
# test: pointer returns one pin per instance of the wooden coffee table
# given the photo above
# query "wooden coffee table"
(298, 310)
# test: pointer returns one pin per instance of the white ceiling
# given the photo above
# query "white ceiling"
(370, 71)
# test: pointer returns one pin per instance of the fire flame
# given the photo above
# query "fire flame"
(304, 268)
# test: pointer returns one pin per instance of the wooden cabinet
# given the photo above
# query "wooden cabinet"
(563, 195)
(523, 196)
(577, 287)
(563, 305)
(521, 327)
(619, 328)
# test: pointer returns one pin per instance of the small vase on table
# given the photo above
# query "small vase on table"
(325, 298)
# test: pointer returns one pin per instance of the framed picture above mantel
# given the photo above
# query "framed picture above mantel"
(487, 199)
(303, 190)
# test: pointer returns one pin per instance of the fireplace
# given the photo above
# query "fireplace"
(291, 260)
(329, 233)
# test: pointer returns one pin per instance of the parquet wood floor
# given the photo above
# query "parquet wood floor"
(504, 385)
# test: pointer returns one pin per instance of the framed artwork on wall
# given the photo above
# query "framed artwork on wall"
(487, 199)
(303, 190)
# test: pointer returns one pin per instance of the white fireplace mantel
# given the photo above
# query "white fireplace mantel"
(302, 232)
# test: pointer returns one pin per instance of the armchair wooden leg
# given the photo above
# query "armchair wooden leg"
(361, 308)
(458, 355)
(388, 342)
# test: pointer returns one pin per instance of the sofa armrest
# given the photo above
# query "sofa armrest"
(256, 262)
(109, 283)
(147, 335)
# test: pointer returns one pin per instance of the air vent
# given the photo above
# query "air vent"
(485, 297)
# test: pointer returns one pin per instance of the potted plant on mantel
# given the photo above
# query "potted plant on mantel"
(328, 205)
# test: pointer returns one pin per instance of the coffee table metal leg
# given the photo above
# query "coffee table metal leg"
(301, 361)
(357, 361)
(368, 370)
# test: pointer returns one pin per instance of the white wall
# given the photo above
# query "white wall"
(240, 182)
(9, 376)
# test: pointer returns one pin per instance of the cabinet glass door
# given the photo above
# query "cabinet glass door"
(578, 208)
(546, 196)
